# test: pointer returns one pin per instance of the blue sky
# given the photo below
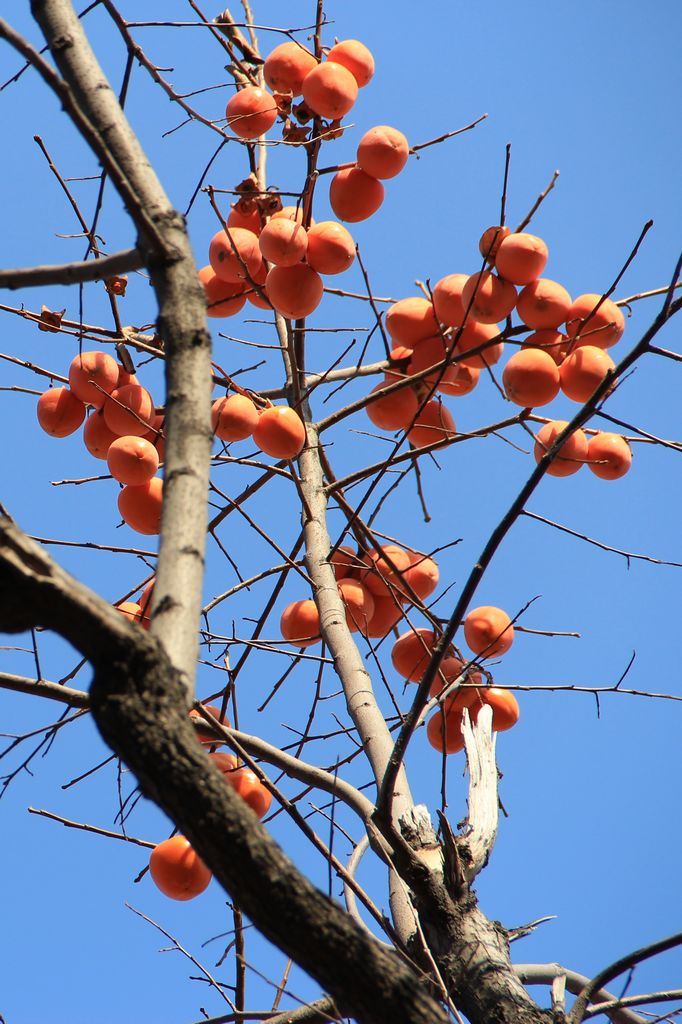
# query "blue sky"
(593, 829)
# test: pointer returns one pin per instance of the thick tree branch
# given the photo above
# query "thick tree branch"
(72, 273)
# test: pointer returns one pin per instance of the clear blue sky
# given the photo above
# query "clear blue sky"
(593, 829)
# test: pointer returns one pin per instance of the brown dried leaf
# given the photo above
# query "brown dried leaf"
(50, 320)
(116, 285)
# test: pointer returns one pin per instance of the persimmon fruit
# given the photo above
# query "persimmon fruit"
(488, 298)
(472, 337)
(531, 378)
(490, 240)
(411, 320)
(203, 729)
(543, 304)
(584, 370)
(283, 242)
(602, 327)
(251, 112)
(235, 254)
(96, 435)
(387, 614)
(411, 653)
(505, 707)
(521, 257)
(488, 631)
(434, 423)
(300, 623)
(255, 795)
(129, 410)
(279, 432)
(89, 369)
(359, 603)
(223, 298)
(550, 341)
(177, 870)
(422, 575)
(444, 732)
(447, 299)
(60, 412)
(233, 418)
(355, 195)
(383, 152)
(394, 411)
(132, 460)
(355, 57)
(286, 67)
(330, 90)
(295, 292)
(381, 578)
(140, 506)
(331, 248)
(609, 456)
(573, 451)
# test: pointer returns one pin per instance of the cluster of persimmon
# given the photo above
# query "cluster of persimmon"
(488, 633)
(278, 261)
(375, 587)
(175, 867)
(277, 429)
(120, 426)
(457, 333)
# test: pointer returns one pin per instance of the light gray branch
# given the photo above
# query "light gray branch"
(72, 273)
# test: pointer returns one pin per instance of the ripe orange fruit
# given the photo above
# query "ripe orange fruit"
(59, 412)
(96, 435)
(330, 90)
(450, 669)
(331, 248)
(203, 732)
(291, 213)
(521, 258)
(608, 456)
(430, 352)
(444, 732)
(233, 418)
(602, 328)
(504, 704)
(223, 298)
(550, 341)
(295, 292)
(130, 610)
(286, 67)
(412, 652)
(466, 381)
(447, 299)
(488, 298)
(421, 574)
(472, 337)
(300, 623)
(411, 320)
(387, 614)
(156, 437)
(125, 378)
(543, 304)
(250, 220)
(236, 255)
(490, 240)
(177, 870)
(283, 242)
(488, 631)
(260, 277)
(383, 152)
(279, 432)
(583, 371)
(251, 112)
(250, 788)
(379, 577)
(531, 378)
(140, 506)
(573, 451)
(355, 195)
(354, 56)
(132, 460)
(129, 410)
(345, 561)
(394, 411)
(359, 603)
(434, 423)
(145, 603)
(88, 369)
(226, 763)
